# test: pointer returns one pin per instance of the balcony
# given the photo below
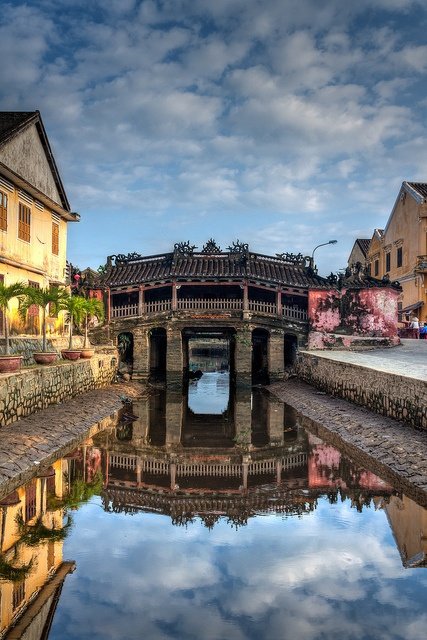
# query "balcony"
(193, 304)
(421, 265)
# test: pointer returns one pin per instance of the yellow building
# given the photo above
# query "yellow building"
(34, 209)
(28, 601)
(400, 250)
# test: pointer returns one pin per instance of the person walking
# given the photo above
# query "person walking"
(415, 326)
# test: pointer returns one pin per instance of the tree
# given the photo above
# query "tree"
(51, 297)
(73, 305)
(91, 307)
(7, 293)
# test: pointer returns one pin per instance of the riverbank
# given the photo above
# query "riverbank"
(387, 447)
(39, 439)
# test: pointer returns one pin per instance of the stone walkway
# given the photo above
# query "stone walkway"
(392, 450)
(39, 439)
(408, 359)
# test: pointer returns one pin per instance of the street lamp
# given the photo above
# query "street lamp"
(321, 245)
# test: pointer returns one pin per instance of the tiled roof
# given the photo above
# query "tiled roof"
(420, 187)
(364, 245)
(223, 266)
(11, 121)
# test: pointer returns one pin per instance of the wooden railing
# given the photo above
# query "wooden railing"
(218, 469)
(217, 304)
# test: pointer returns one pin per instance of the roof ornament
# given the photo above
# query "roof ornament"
(239, 251)
(237, 248)
(122, 258)
(184, 249)
(211, 247)
(296, 259)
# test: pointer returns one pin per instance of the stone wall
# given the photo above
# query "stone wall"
(398, 397)
(34, 389)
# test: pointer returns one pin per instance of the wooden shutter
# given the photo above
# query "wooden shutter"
(24, 223)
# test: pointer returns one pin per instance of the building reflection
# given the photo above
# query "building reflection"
(32, 569)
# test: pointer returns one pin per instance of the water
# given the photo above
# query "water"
(227, 532)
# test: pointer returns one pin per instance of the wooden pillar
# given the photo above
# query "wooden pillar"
(276, 355)
(108, 304)
(279, 467)
(279, 302)
(141, 360)
(174, 297)
(245, 470)
(138, 471)
(141, 300)
(172, 468)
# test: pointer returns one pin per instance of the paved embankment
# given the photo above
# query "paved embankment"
(389, 448)
(388, 381)
(39, 439)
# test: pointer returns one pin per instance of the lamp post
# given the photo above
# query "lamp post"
(323, 244)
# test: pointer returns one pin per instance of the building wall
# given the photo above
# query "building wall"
(33, 260)
(24, 154)
(406, 230)
(351, 313)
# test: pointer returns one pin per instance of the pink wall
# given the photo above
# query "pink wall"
(355, 312)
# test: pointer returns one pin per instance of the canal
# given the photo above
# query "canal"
(211, 514)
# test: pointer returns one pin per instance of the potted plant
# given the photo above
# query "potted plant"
(74, 307)
(91, 307)
(9, 362)
(43, 298)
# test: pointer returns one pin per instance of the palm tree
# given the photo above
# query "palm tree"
(74, 307)
(91, 307)
(7, 293)
(44, 297)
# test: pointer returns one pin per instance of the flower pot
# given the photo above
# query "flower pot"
(45, 357)
(87, 353)
(71, 354)
(10, 364)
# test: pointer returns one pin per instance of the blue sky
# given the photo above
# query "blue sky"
(282, 123)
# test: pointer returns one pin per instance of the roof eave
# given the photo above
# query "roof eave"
(66, 214)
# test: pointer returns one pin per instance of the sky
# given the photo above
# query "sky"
(281, 123)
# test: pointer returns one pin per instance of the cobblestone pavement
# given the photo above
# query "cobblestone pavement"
(39, 439)
(408, 359)
(391, 449)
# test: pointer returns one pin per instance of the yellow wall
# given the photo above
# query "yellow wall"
(406, 228)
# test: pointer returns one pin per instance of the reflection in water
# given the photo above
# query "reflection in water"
(210, 394)
(257, 529)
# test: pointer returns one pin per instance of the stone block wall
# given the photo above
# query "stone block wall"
(34, 389)
(398, 397)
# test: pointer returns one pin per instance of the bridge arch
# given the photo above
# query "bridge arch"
(125, 345)
(290, 349)
(157, 351)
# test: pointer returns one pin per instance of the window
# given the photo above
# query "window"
(399, 257)
(18, 594)
(399, 312)
(3, 211)
(387, 262)
(24, 224)
(55, 238)
(376, 267)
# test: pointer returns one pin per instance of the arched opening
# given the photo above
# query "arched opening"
(290, 349)
(260, 339)
(125, 348)
(158, 346)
